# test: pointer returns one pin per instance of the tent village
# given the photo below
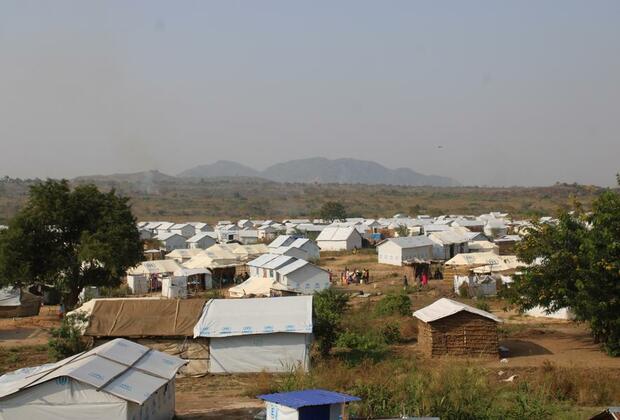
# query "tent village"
(241, 306)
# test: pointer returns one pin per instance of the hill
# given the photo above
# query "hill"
(219, 169)
(323, 171)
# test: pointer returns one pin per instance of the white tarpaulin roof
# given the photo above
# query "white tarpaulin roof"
(119, 367)
(231, 317)
(262, 260)
(475, 258)
(446, 307)
(258, 286)
(155, 267)
(10, 296)
(332, 233)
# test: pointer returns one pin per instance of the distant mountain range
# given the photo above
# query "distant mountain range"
(322, 170)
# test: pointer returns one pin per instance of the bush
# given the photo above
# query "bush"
(464, 290)
(67, 340)
(394, 304)
(328, 306)
(361, 346)
(112, 292)
(391, 333)
(483, 305)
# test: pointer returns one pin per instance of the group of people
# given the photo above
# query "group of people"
(355, 276)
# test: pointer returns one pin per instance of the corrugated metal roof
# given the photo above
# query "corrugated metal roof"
(262, 260)
(445, 307)
(308, 397)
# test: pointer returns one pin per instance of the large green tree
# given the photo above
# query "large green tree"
(333, 210)
(576, 263)
(71, 238)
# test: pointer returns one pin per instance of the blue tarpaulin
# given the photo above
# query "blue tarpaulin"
(309, 397)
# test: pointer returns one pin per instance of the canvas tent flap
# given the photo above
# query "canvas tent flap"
(144, 317)
(230, 317)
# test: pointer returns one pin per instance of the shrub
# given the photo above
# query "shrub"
(391, 333)
(464, 290)
(328, 306)
(361, 346)
(67, 340)
(394, 304)
(483, 305)
(112, 292)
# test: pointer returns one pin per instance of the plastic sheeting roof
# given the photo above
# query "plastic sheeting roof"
(308, 397)
(258, 286)
(10, 296)
(295, 265)
(410, 241)
(278, 262)
(445, 307)
(232, 317)
(332, 233)
(119, 367)
(262, 260)
(155, 267)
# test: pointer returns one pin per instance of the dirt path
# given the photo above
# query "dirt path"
(29, 331)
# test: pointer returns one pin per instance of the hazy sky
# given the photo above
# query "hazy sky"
(521, 92)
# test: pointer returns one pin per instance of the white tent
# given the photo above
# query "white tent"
(119, 380)
(254, 335)
(256, 286)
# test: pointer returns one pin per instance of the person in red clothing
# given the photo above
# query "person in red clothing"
(424, 279)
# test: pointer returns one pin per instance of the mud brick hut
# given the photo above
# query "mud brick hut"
(447, 327)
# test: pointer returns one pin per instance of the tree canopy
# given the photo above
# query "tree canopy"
(576, 263)
(333, 210)
(69, 238)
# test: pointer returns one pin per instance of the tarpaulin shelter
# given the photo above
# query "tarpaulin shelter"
(163, 324)
(15, 302)
(117, 380)
(254, 335)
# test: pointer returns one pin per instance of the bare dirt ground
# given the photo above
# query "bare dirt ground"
(28, 331)
(532, 343)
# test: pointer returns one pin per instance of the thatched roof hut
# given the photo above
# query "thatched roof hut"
(447, 327)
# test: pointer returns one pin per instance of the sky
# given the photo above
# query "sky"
(490, 93)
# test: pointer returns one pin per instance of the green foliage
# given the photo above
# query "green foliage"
(464, 290)
(579, 268)
(328, 306)
(113, 292)
(360, 346)
(67, 340)
(394, 304)
(402, 230)
(70, 238)
(391, 333)
(333, 210)
(483, 305)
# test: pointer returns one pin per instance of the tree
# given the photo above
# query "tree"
(402, 230)
(576, 264)
(70, 238)
(328, 306)
(332, 210)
